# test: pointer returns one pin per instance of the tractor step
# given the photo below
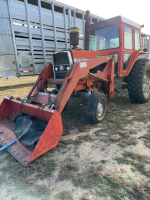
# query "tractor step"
(120, 90)
(120, 83)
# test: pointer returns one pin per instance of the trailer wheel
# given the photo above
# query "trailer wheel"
(139, 82)
(96, 107)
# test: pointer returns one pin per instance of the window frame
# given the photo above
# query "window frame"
(139, 41)
(124, 37)
(128, 60)
(118, 34)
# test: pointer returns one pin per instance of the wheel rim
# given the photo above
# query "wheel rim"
(100, 109)
(146, 83)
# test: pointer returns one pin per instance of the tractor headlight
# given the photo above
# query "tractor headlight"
(56, 69)
(68, 68)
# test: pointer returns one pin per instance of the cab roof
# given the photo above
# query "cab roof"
(113, 21)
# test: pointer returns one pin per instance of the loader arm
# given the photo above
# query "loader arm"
(81, 70)
(48, 107)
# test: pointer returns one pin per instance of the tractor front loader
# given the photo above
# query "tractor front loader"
(115, 62)
(48, 107)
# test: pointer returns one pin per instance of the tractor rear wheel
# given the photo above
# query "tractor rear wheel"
(139, 81)
(96, 107)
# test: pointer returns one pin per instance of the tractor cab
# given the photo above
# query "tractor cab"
(117, 36)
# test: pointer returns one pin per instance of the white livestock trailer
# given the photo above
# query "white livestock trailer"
(31, 30)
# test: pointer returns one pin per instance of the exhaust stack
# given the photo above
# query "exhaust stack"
(74, 36)
(87, 31)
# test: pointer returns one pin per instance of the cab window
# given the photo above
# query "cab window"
(137, 39)
(127, 57)
(128, 38)
(105, 38)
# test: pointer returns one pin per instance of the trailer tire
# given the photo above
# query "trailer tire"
(139, 81)
(96, 107)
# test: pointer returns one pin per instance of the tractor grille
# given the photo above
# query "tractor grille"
(61, 75)
(62, 63)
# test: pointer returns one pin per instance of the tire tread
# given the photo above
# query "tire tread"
(135, 81)
(92, 101)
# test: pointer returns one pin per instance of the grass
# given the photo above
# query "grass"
(19, 174)
(100, 193)
(103, 161)
(121, 118)
(117, 119)
(65, 195)
(97, 132)
(50, 168)
(17, 87)
(68, 170)
(137, 157)
(139, 167)
(7, 82)
(120, 111)
(110, 182)
(115, 189)
(79, 181)
(147, 139)
(88, 180)
(105, 185)
(2, 179)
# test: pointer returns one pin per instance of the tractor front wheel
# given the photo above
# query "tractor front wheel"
(54, 91)
(139, 81)
(96, 107)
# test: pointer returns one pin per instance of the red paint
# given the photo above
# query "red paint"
(26, 71)
(78, 53)
(78, 78)
(50, 137)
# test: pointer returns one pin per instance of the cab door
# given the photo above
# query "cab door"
(128, 38)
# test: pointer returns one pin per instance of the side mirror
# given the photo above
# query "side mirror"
(145, 49)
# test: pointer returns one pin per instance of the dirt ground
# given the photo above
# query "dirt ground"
(107, 161)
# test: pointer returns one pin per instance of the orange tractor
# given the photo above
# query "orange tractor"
(114, 62)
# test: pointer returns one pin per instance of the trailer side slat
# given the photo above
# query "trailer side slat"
(29, 34)
(42, 34)
(38, 30)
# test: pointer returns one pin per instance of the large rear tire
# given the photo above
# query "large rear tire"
(139, 81)
(96, 107)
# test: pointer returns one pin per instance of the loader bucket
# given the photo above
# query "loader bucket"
(48, 140)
